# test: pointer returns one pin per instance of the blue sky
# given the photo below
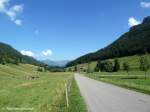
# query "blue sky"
(67, 29)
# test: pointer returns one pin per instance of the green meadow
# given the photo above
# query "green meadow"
(24, 89)
(133, 61)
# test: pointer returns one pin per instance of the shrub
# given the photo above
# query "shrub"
(40, 69)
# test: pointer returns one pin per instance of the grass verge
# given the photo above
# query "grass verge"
(135, 81)
(76, 101)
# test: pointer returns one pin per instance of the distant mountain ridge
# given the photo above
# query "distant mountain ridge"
(135, 41)
(61, 63)
(11, 55)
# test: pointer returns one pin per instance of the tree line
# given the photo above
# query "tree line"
(109, 66)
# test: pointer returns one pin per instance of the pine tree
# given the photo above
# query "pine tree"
(98, 66)
(116, 65)
(126, 67)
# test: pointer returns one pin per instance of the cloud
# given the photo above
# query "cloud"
(145, 4)
(27, 53)
(132, 21)
(3, 4)
(17, 8)
(12, 12)
(47, 52)
(18, 22)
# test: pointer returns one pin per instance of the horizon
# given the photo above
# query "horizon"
(65, 30)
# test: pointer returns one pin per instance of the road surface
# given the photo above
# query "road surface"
(102, 97)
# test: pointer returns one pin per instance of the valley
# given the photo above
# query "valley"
(74, 56)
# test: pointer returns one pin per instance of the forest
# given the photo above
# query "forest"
(135, 41)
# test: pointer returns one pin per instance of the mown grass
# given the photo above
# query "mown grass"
(135, 80)
(17, 91)
(76, 102)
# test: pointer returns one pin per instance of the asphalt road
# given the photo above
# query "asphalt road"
(103, 97)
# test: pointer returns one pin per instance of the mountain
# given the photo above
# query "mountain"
(56, 63)
(135, 41)
(10, 55)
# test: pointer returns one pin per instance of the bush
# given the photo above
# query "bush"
(40, 69)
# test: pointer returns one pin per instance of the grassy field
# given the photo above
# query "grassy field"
(135, 80)
(133, 61)
(24, 89)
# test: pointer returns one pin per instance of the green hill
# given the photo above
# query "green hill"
(10, 55)
(21, 86)
(133, 61)
(135, 41)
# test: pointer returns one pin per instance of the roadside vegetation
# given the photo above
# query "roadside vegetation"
(75, 100)
(135, 80)
(131, 72)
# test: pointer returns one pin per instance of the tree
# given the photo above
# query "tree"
(46, 67)
(70, 70)
(75, 68)
(108, 66)
(116, 65)
(126, 67)
(144, 65)
(89, 68)
(96, 69)
(98, 66)
(40, 69)
(2, 61)
(135, 41)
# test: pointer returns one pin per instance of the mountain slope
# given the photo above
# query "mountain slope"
(135, 41)
(11, 55)
(56, 63)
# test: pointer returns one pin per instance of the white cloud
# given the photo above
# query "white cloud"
(145, 4)
(47, 52)
(3, 5)
(12, 12)
(18, 22)
(28, 53)
(132, 21)
(17, 8)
